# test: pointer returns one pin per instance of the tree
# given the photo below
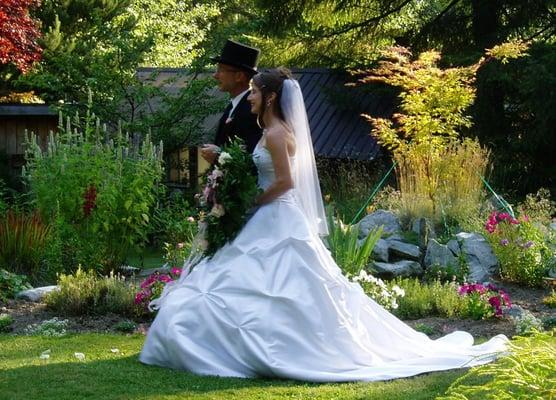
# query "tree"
(18, 38)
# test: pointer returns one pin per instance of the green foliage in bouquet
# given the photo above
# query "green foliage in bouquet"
(98, 188)
(229, 193)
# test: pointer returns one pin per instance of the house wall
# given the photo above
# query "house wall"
(12, 136)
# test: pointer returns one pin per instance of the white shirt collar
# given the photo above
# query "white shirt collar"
(236, 100)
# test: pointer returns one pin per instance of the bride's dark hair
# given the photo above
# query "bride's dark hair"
(268, 82)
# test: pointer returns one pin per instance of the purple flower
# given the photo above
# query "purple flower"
(528, 244)
(504, 242)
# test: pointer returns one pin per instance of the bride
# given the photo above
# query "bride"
(273, 302)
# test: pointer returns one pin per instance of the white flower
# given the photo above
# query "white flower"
(218, 210)
(224, 158)
(44, 356)
(398, 291)
(79, 356)
(115, 350)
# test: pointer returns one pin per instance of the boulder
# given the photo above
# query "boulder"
(36, 294)
(380, 251)
(424, 228)
(439, 254)
(453, 245)
(404, 250)
(387, 219)
(479, 256)
(404, 268)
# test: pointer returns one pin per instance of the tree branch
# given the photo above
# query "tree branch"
(366, 22)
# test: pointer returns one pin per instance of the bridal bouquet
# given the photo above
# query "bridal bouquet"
(230, 188)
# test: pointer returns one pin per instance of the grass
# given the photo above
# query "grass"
(106, 375)
(146, 258)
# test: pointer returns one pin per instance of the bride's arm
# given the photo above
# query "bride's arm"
(277, 145)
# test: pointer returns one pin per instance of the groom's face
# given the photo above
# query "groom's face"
(229, 78)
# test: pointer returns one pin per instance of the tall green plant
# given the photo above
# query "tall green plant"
(344, 245)
(438, 173)
(99, 187)
(23, 239)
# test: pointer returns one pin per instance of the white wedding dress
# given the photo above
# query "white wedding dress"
(274, 303)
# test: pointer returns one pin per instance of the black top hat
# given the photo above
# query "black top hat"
(238, 55)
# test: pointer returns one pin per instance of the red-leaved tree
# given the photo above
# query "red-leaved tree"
(18, 34)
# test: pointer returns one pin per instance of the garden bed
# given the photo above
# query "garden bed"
(26, 313)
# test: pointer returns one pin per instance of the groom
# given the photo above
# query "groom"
(236, 65)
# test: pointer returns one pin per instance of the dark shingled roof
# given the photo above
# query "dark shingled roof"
(334, 113)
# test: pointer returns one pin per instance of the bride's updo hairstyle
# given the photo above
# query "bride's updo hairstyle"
(269, 82)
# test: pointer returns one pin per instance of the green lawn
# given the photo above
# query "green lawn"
(106, 375)
(146, 258)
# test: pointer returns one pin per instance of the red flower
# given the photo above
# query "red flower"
(90, 197)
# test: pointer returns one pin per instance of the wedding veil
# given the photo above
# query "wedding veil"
(305, 173)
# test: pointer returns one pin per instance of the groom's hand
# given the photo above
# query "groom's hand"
(210, 152)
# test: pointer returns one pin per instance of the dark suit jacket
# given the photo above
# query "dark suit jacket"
(243, 124)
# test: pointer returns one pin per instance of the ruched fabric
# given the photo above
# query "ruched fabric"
(274, 303)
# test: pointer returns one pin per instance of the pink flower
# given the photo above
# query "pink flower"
(190, 219)
(176, 271)
(165, 278)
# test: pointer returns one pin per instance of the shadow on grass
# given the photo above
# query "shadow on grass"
(126, 378)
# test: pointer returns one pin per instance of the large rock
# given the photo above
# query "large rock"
(387, 219)
(404, 250)
(453, 245)
(36, 294)
(403, 268)
(424, 229)
(439, 254)
(380, 251)
(479, 256)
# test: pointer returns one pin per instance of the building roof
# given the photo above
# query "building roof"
(26, 109)
(334, 113)
(334, 110)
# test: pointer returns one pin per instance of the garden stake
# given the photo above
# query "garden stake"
(373, 193)
(503, 202)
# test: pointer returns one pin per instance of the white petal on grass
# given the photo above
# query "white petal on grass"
(79, 356)
(44, 356)
(115, 350)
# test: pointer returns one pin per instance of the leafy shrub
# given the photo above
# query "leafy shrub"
(429, 299)
(53, 327)
(448, 273)
(520, 247)
(550, 300)
(23, 240)
(85, 293)
(526, 323)
(173, 222)
(484, 302)
(526, 371)
(11, 284)
(432, 163)
(152, 287)
(6, 322)
(344, 245)
(101, 190)
(125, 326)
(350, 193)
(426, 329)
